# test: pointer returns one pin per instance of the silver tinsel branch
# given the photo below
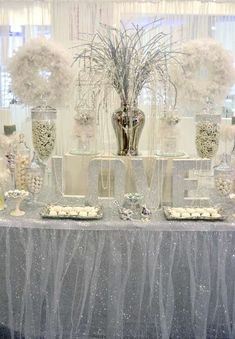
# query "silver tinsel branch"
(126, 58)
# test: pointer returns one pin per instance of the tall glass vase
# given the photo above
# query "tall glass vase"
(44, 138)
(169, 134)
(22, 160)
(223, 174)
(35, 175)
(85, 131)
(128, 122)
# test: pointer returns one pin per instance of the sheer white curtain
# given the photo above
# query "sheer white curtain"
(68, 20)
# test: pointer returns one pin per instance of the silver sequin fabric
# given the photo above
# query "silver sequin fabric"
(117, 279)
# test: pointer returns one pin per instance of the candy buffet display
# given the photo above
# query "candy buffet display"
(207, 134)
(44, 131)
(197, 213)
(223, 176)
(72, 212)
(128, 61)
(22, 160)
(18, 196)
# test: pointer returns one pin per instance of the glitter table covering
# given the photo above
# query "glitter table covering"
(116, 279)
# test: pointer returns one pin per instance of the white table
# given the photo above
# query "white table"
(115, 279)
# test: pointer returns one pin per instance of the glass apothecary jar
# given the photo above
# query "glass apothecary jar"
(35, 175)
(207, 134)
(169, 134)
(43, 131)
(22, 160)
(223, 176)
(85, 133)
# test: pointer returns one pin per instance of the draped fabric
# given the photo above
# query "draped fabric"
(66, 21)
(115, 283)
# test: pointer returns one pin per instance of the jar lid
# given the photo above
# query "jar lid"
(224, 166)
(46, 109)
(214, 118)
(9, 129)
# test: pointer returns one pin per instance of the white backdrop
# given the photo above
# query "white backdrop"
(65, 21)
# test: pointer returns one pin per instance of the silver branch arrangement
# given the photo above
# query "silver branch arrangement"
(127, 59)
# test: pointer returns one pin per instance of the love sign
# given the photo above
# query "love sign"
(166, 181)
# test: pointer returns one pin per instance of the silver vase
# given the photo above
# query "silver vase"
(128, 123)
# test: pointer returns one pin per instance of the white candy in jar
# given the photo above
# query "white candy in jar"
(44, 136)
(34, 182)
(223, 185)
(21, 165)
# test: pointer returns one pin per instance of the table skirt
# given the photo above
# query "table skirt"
(136, 283)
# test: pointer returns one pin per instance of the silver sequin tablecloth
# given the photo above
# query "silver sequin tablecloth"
(115, 279)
